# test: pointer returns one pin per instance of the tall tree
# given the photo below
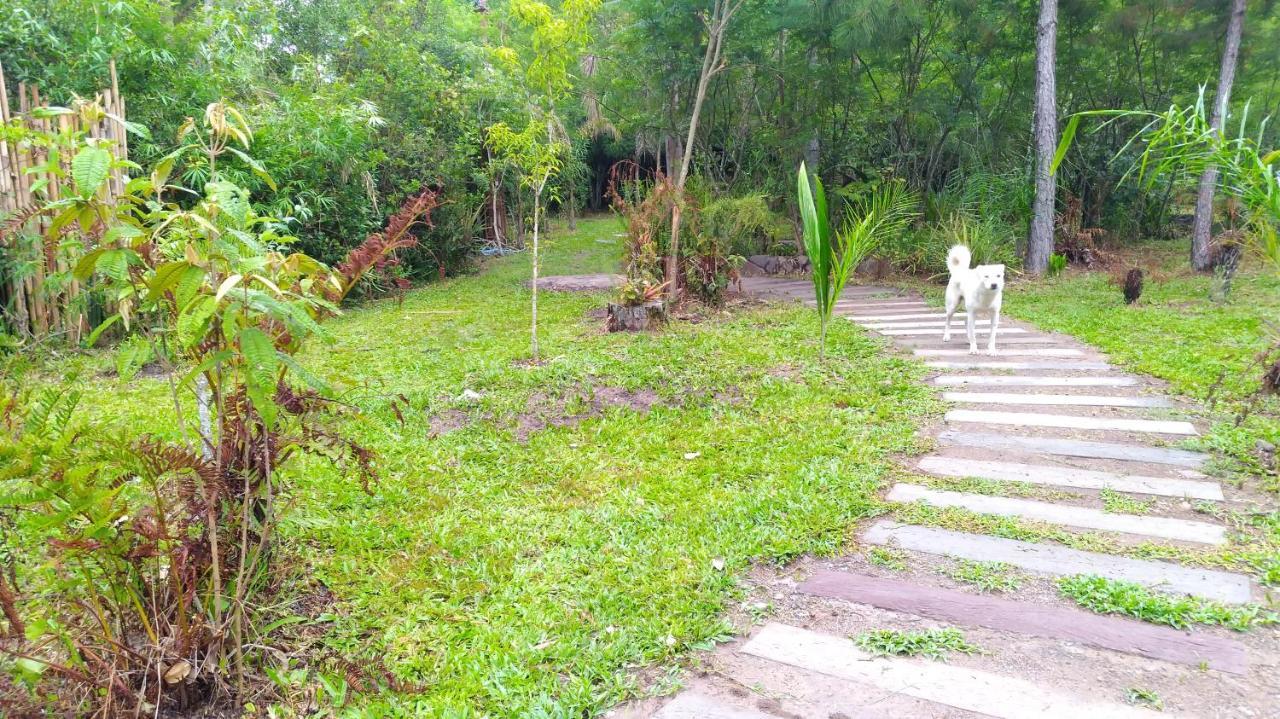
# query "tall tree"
(722, 11)
(1040, 241)
(1201, 229)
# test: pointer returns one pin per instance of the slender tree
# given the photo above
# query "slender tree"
(1040, 241)
(722, 11)
(1201, 229)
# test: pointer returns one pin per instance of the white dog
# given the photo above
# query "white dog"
(981, 288)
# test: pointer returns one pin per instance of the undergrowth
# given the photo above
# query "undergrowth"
(931, 643)
(1107, 596)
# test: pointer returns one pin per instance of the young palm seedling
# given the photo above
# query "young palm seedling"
(834, 255)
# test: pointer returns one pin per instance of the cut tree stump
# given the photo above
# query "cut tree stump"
(636, 318)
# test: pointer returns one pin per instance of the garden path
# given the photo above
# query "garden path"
(1059, 437)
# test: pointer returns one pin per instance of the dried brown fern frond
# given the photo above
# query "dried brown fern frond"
(378, 250)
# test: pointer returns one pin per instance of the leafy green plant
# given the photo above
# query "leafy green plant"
(639, 292)
(986, 576)
(746, 226)
(537, 152)
(1181, 142)
(1057, 264)
(834, 255)
(171, 540)
(931, 643)
(888, 558)
(1113, 501)
(1138, 696)
(1107, 596)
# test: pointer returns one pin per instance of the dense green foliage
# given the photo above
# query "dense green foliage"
(359, 104)
(935, 92)
(539, 530)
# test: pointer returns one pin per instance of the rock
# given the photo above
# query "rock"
(758, 265)
(1265, 447)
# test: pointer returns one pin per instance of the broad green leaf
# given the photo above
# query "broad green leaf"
(119, 232)
(89, 169)
(1068, 135)
(114, 263)
(193, 319)
(85, 267)
(92, 339)
(259, 354)
(165, 277)
(190, 282)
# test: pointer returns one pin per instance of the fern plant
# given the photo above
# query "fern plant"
(833, 256)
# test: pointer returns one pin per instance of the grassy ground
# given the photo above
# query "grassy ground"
(1204, 349)
(526, 555)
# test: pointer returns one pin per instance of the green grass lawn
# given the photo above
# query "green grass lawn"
(531, 564)
(1204, 349)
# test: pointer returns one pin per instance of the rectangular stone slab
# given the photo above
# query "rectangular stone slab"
(938, 330)
(1070, 400)
(1017, 351)
(987, 693)
(1063, 562)
(959, 316)
(872, 302)
(695, 705)
(1017, 381)
(957, 343)
(991, 363)
(1071, 625)
(1068, 477)
(1065, 514)
(1074, 448)
(917, 324)
(1067, 421)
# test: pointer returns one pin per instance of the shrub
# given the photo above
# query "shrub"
(924, 250)
(144, 556)
(746, 226)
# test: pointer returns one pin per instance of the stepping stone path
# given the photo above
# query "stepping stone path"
(1038, 433)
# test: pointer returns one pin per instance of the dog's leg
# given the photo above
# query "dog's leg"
(969, 329)
(952, 303)
(995, 322)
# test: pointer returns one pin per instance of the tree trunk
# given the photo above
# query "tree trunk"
(721, 13)
(537, 206)
(1202, 227)
(1040, 241)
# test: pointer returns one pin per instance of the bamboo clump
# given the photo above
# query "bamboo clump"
(32, 303)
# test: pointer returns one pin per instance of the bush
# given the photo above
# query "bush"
(746, 226)
(924, 250)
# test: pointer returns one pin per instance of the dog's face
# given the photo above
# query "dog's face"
(990, 277)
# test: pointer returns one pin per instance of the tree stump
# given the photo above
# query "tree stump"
(636, 318)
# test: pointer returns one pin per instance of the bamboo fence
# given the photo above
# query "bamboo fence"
(38, 298)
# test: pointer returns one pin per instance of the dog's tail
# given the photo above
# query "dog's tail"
(958, 258)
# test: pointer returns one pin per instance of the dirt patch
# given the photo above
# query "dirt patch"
(447, 421)
(568, 410)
